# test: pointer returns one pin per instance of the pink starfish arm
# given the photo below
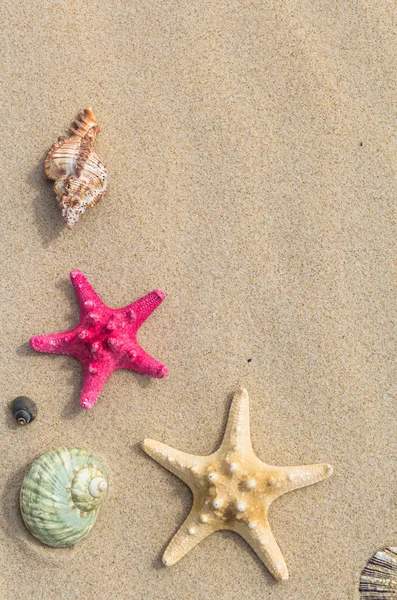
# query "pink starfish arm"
(55, 343)
(145, 364)
(93, 381)
(143, 308)
(86, 295)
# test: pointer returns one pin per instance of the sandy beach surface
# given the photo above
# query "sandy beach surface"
(251, 150)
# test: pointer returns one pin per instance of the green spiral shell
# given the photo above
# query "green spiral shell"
(61, 495)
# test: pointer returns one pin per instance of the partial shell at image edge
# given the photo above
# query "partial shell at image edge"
(378, 580)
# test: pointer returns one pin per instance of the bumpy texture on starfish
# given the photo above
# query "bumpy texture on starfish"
(232, 489)
(104, 340)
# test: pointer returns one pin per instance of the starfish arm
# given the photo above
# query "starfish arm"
(293, 478)
(94, 379)
(144, 364)
(187, 537)
(86, 295)
(261, 539)
(143, 308)
(237, 433)
(183, 465)
(54, 343)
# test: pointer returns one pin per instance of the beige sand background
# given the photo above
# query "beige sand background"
(251, 149)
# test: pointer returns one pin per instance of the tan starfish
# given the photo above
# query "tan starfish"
(232, 489)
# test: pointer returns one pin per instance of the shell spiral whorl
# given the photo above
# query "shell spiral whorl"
(61, 496)
(87, 489)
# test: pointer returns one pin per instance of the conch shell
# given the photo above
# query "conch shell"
(61, 496)
(79, 174)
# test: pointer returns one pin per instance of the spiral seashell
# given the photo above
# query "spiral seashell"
(79, 174)
(24, 410)
(61, 496)
(379, 578)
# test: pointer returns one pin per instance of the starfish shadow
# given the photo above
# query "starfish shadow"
(144, 381)
(225, 418)
(72, 408)
(66, 287)
(157, 563)
(25, 350)
(241, 546)
(186, 500)
(228, 536)
(48, 219)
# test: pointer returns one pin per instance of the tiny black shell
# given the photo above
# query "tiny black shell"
(24, 410)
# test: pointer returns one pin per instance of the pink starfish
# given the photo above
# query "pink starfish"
(104, 340)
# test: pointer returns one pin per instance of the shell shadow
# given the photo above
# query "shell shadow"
(11, 422)
(47, 216)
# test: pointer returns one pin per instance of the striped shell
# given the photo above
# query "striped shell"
(79, 174)
(379, 578)
(61, 496)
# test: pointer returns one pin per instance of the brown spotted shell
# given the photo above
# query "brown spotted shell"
(79, 174)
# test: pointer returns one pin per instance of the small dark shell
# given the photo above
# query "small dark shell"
(24, 410)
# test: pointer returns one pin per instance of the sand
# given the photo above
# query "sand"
(251, 154)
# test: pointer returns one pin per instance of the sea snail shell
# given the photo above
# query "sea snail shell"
(24, 410)
(78, 172)
(61, 496)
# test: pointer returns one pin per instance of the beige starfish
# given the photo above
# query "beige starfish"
(232, 489)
